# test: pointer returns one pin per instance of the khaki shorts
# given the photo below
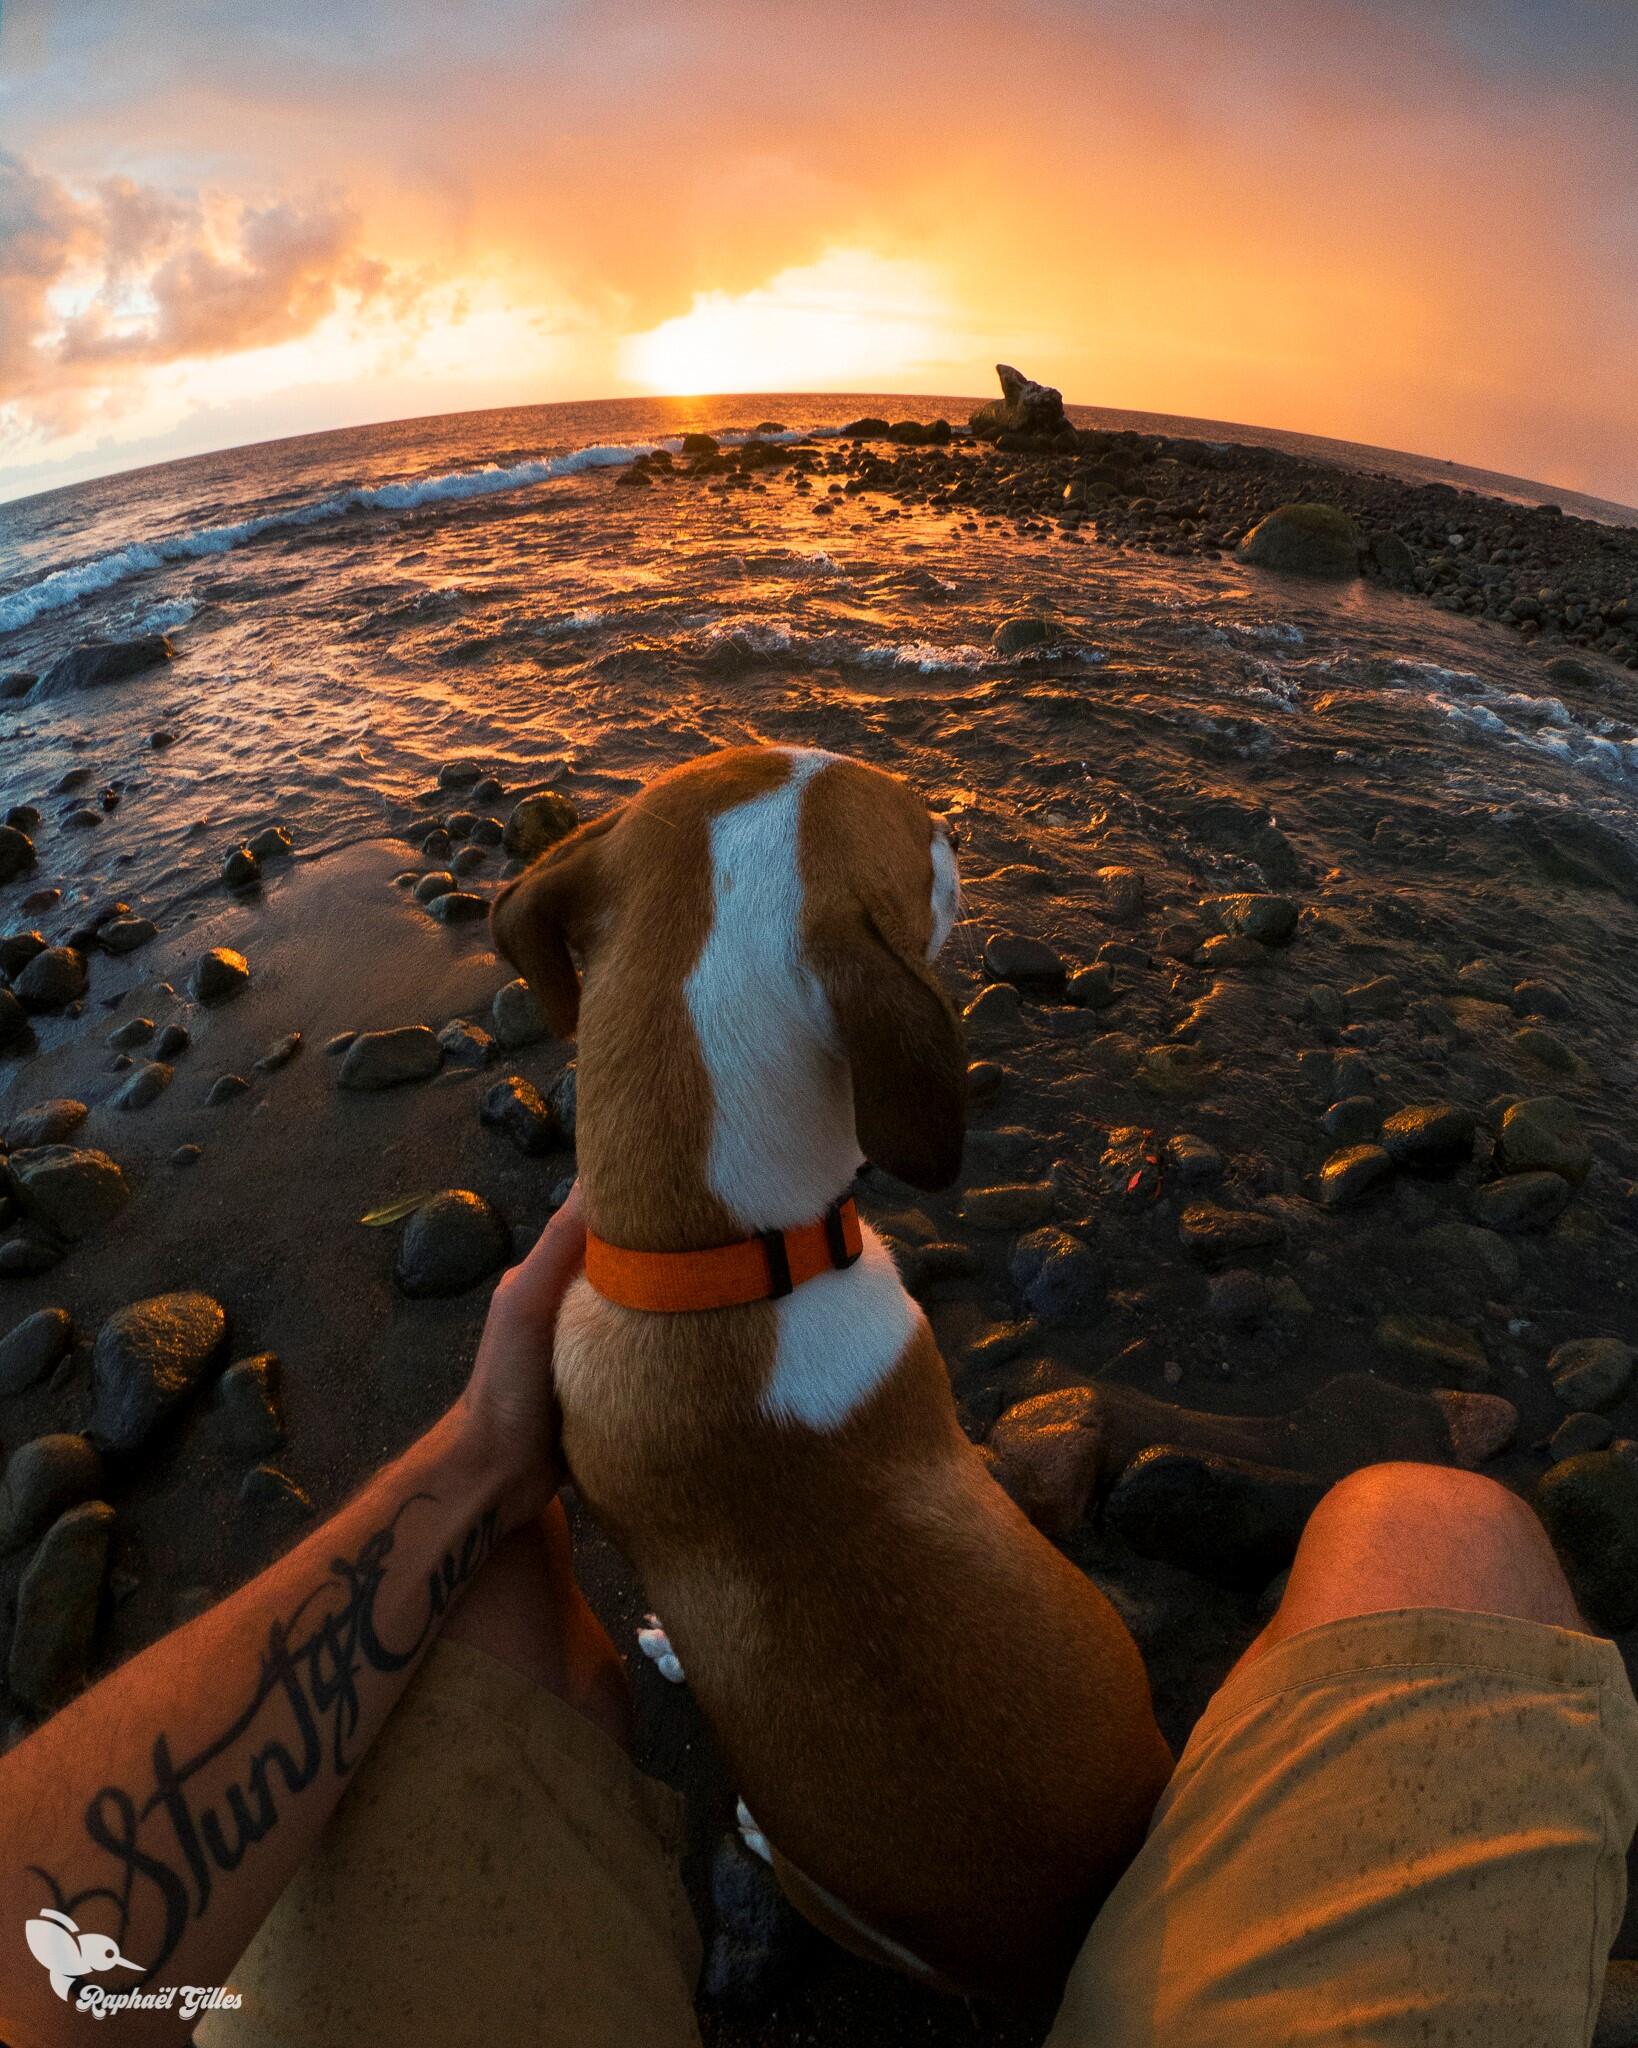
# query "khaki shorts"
(1408, 1828)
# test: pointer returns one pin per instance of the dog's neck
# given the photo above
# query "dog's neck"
(709, 1113)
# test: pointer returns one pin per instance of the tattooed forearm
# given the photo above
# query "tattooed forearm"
(161, 1845)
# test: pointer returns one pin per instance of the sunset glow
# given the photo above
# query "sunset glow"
(1403, 225)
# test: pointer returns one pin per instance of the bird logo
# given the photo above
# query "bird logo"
(58, 1946)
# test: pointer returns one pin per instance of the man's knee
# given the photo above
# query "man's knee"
(1404, 1535)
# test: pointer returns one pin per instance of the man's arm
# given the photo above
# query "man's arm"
(166, 1808)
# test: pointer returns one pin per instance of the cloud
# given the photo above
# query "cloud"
(123, 277)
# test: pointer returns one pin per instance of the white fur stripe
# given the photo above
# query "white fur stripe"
(840, 1336)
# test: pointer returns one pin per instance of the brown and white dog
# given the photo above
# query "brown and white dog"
(942, 1728)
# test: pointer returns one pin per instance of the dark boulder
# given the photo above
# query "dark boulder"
(95, 663)
(1024, 407)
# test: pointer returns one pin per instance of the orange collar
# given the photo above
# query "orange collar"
(760, 1268)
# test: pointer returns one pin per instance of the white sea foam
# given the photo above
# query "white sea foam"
(166, 618)
(85, 579)
(925, 656)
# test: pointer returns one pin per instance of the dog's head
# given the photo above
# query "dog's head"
(786, 868)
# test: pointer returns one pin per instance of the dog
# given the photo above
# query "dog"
(943, 1729)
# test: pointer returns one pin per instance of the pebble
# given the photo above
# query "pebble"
(1580, 1432)
(1436, 1343)
(469, 1045)
(562, 1100)
(272, 842)
(47, 1123)
(515, 1017)
(1589, 1505)
(1093, 988)
(13, 1019)
(52, 979)
(17, 949)
(1592, 1372)
(226, 1088)
(1030, 962)
(33, 1348)
(126, 934)
(538, 822)
(219, 975)
(338, 1044)
(436, 845)
(1192, 1161)
(1543, 1134)
(43, 1478)
(1351, 1174)
(1269, 920)
(246, 1403)
(1352, 1121)
(1429, 1134)
(1543, 1047)
(1521, 1201)
(16, 853)
(1016, 1205)
(265, 1486)
(1119, 892)
(487, 788)
(468, 861)
(488, 832)
(1057, 1274)
(431, 886)
(21, 1258)
(459, 906)
(994, 1007)
(146, 1084)
(241, 869)
(459, 774)
(58, 1600)
(72, 1192)
(984, 1079)
(451, 1243)
(1213, 1233)
(1012, 636)
(1226, 1519)
(1238, 1299)
(1325, 1005)
(386, 1059)
(1170, 1069)
(1231, 950)
(280, 1053)
(187, 1155)
(1383, 997)
(516, 1108)
(1046, 1453)
(1542, 999)
(81, 818)
(147, 1357)
(42, 899)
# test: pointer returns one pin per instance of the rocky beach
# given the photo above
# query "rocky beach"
(1298, 798)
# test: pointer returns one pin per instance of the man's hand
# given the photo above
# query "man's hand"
(509, 1411)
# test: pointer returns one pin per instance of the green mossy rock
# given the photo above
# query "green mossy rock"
(1305, 540)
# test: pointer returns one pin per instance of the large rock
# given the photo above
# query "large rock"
(451, 1243)
(13, 1020)
(95, 663)
(57, 1606)
(1057, 1274)
(1215, 1234)
(1024, 407)
(1437, 1343)
(148, 1356)
(516, 1017)
(247, 1406)
(45, 1123)
(1589, 1505)
(71, 1191)
(386, 1059)
(1592, 1372)
(52, 979)
(517, 1108)
(43, 1479)
(1429, 1134)
(1270, 920)
(1308, 540)
(1521, 1201)
(538, 822)
(219, 975)
(143, 1085)
(1544, 1135)
(1048, 1454)
(1223, 1518)
(35, 1347)
(16, 853)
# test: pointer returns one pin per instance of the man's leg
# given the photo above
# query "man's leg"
(1393, 1536)
(525, 1609)
(499, 1870)
(1402, 1818)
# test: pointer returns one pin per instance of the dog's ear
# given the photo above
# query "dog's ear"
(903, 1043)
(549, 908)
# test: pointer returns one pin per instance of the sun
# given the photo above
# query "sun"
(850, 318)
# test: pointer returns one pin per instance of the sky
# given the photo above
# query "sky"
(1412, 223)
